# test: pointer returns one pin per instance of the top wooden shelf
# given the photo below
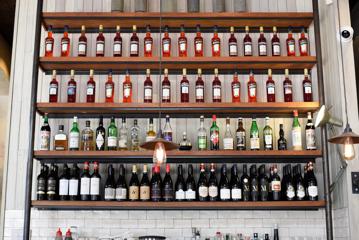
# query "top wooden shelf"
(207, 20)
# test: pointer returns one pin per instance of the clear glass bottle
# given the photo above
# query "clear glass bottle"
(135, 136)
(60, 140)
(151, 134)
(267, 135)
(185, 144)
(87, 138)
(123, 136)
(202, 135)
(310, 134)
(167, 131)
(228, 141)
(296, 132)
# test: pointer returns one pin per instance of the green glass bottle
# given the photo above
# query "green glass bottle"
(214, 133)
(254, 135)
(202, 136)
(267, 135)
(112, 135)
(74, 138)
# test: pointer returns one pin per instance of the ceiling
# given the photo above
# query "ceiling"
(7, 14)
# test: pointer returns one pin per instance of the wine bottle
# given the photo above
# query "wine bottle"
(134, 185)
(232, 44)
(290, 42)
(299, 184)
(167, 191)
(95, 183)
(100, 136)
(247, 42)
(198, 43)
(276, 48)
(276, 185)
(45, 134)
(148, 43)
(282, 142)
(64, 184)
(245, 184)
(135, 136)
(213, 185)
(134, 41)
(74, 183)
(287, 88)
(290, 189)
(74, 136)
(180, 185)
(202, 184)
(270, 86)
(263, 184)
(156, 185)
(41, 184)
(85, 183)
(100, 42)
(190, 185)
(110, 185)
(296, 132)
(91, 88)
(312, 185)
(52, 180)
(54, 88)
(310, 134)
(262, 43)
(235, 184)
(254, 183)
(224, 188)
(145, 185)
(117, 41)
(121, 186)
(228, 141)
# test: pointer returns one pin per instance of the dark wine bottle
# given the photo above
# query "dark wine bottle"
(156, 185)
(282, 142)
(290, 190)
(180, 185)
(263, 183)
(145, 185)
(85, 183)
(190, 185)
(276, 185)
(74, 183)
(299, 184)
(254, 183)
(64, 184)
(284, 182)
(224, 189)
(134, 185)
(246, 188)
(110, 185)
(312, 185)
(213, 185)
(41, 184)
(95, 183)
(236, 190)
(52, 180)
(202, 184)
(100, 136)
(276, 233)
(270, 193)
(168, 185)
(121, 186)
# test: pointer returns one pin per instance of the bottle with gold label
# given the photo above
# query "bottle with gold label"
(134, 186)
(145, 185)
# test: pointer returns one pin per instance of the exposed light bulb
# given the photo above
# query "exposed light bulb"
(159, 154)
(348, 149)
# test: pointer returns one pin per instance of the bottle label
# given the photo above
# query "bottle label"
(216, 46)
(184, 88)
(150, 138)
(121, 193)
(100, 47)
(276, 49)
(303, 44)
(190, 194)
(148, 46)
(122, 142)
(64, 187)
(45, 140)
(166, 45)
(236, 90)
(252, 90)
(148, 92)
(82, 48)
(95, 186)
(117, 48)
(182, 45)
(236, 193)
(167, 136)
(270, 88)
(200, 92)
(100, 141)
(127, 90)
(307, 88)
(300, 192)
(144, 192)
(276, 186)
(225, 194)
(41, 186)
(49, 45)
(268, 140)
(215, 137)
(199, 45)
(291, 47)
(156, 192)
(51, 187)
(90, 90)
(108, 90)
(53, 89)
(134, 48)
(290, 192)
(247, 48)
(202, 142)
(254, 143)
(203, 191)
(165, 93)
(64, 46)
(313, 191)
(297, 137)
(74, 140)
(262, 49)
(213, 191)
(71, 90)
(85, 186)
(241, 139)
(287, 88)
(217, 92)
(233, 49)
(110, 193)
(134, 193)
(228, 143)
(168, 192)
(310, 139)
(112, 141)
(73, 187)
(180, 195)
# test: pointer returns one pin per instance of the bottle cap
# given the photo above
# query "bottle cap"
(269, 72)
(214, 118)
(118, 28)
(134, 28)
(231, 29)
(91, 72)
(216, 71)
(305, 72)
(83, 28)
(72, 72)
(274, 29)
(100, 27)
(53, 73)
(247, 29)
(184, 71)
(148, 71)
(286, 72)
(166, 71)
(199, 71)
(145, 168)
(261, 29)
(134, 168)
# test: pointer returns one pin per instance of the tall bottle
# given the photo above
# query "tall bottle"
(117, 43)
(312, 185)
(74, 183)
(166, 88)
(247, 43)
(235, 184)
(246, 187)
(110, 185)
(290, 187)
(145, 185)
(275, 185)
(166, 44)
(202, 135)
(214, 134)
(236, 89)
(148, 88)
(228, 141)
(303, 44)
(65, 43)
(134, 43)
(71, 88)
(184, 85)
(167, 131)
(135, 136)
(202, 184)
(190, 185)
(307, 87)
(134, 185)
(64, 184)
(127, 89)
(91, 88)
(262, 43)
(199, 86)
(121, 186)
(290, 43)
(87, 138)
(109, 88)
(310, 134)
(180, 186)
(85, 183)
(254, 136)
(270, 86)
(41, 184)
(95, 183)
(299, 184)
(100, 42)
(263, 184)
(254, 183)
(198, 43)
(123, 136)
(296, 132)
(252, 88)
(112, 135)
(82, 45)
(74, 136)
(232, 44)
(276, 234)
(182, 43)
(276, 48)
(224, 187)
(287, 88)
(216, 43)
(54, 88)
(49, 43)
(148, 43)
(213, 184)
(240, 136)
(282, 142)
(168, 192)
(45, 134)
(267, 135)
(151, 134)
(156, 185)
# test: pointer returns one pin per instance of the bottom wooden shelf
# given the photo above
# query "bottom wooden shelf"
(104, 205)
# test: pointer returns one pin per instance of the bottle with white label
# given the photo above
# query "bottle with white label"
(148, 43)
(232, 44)
(184, 86)
(45, 134)
(100, 43)
(276, 48)
(190, 193)
(202, 136)
(54, 88)
(112, 135)
(216, 87)
(65, 43)
(270, 86)
(296, 133)
(134, 43)
(91, 88)
(166, 88)
(310, 134)
(121, 186)
(74, 183)
(267, 135)
(287, 87)
(262, 43)
(117, 43)
(95, 183)
(85, 183)
(199, 86)
(100, 136)
(213, 185)
(312, 185)
(110, 185)
(235, 184)
(224, 187)
(247, 43)
(82, 45)
(151, 134)
(123, 136)
(127, 88)
(148, 92)
(180, 185)
(64, 184)
(254, 136)
(216, 43)
(74, 136)
(307, 87)
(49, 43)
(228, 141)
(198, 42)
(166, 43)
(202, 184)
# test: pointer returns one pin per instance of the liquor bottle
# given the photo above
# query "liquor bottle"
(282, 142)
(85, 183)
(263, 184)
(254, 136)
(180, 186)
(49, 43)
(123, 136)
(247, 43)
(303, 44)
(71, 88)
(51, 184)
(151, 134)
(252, 88)
(287, 88)
(290, 43)
(312, 185)
(100, 136)
(216, 87)
(232, 44)
(240, 136)
(82, 45)
(296, 132)
(117, 43)
(45, 134)
(212, 184)
(87, 138)
(54, 88)
(307, 87)
(270, 86)
(112, 135)
(134, 185)
(310, 134)
(299, 184)
(184, 85)
(214, 134)
(41, 184)
(167, 192)
(100, 43)
(246, 188)
(74, 183)
(156, 184)
(148, 43)
(216, 43)
(60, 140)
(254, 183)
(145, 185)
(198, 43)
(202, 184)
(134, 43)
(224, 187)
(199, 86)
(127, 89)
(95, 183)
(275, 185)
(148, 93)
(166, 44)
(167, 130)
(262, 43)
(185, 143)
(65, 43)
(68, 235)
(91, 89)
(228, 141)
(276, 48)
(276, 234)
(235, 184)
(109, 88)
(202, 135)
(166, 88)
(182, 43)
(110, 185)
(135, 136)
(58, 235)
(236, 89)
(121, 186)
(190, 193)
(290, 189)
(74, 136)
(267, 135)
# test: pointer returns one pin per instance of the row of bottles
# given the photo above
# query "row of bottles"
(254, 185)
(273, 48)
(185, 89)
(124, 138)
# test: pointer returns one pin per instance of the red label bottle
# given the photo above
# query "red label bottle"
(100, 43)
(199, 86)
(216, 43)
(232, 44)
(71, 88)
(117, 43)
(182, 43)
(307, 87)
(54, 88)
(290, 43)
(49, 43)
(276, 48)
(134, 43)
(109, 88)
(236, 89)
(262, 43)
(216, 87)
(65, 43)
(270, 86)
(127, 89)
(252, 88)
(148, 43)
(166, 44)
(303, 44)
(82, 46)
(166, 88)
(247, 43)
(148, 87)
(198, 43)
(184, 87)
(91, 89)
(287, 88)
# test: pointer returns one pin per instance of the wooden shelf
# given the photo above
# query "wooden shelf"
(175, 63)
(207, 20)
(176, 156)
(105, 205)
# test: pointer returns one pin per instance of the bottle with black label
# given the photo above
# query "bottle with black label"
(263, 184)
(290, 190)
(121, 186)
(245, 184)
(52, 184)
(202, 184)
(100, 136)
(145, 185)
(180, 185)
(168, 185)
(41, 184)
(85, 183)
(254, 183)
(110, 185)
(312, 185)
(213, 185)
(74, 183)
(134, 185)
(276, 185)
(95, 183)
(64, 184)
(236, 191)
(299, 184)
(156, 185)
(190, 185)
